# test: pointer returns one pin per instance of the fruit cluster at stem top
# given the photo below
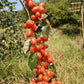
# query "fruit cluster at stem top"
(44, 61)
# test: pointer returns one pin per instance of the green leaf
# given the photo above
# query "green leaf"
(53, 68)
(32, 60)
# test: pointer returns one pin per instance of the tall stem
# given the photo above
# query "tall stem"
(25, 9)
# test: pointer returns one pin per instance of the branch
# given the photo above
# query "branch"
(25, 9)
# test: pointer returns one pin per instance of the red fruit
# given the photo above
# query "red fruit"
(43, 19)
(45, 64)
(58, 82)
(40, 77)
(53, 82)
(34, 5)
(35, 9)
(40, 83)
(33, 80)
(39, 47)
(39, 56)
(36, 20)
(30, 4)
(42, 69)
(33, 17)
(48, 73)
(44, 59)
(52, 73)
(38, 61)
(32, 49)
(42, 4)
(26, 0)
(25, 26)
(50, 60)
(45, 78)
(38, 71)
(30, 23)
(45, 82)
(34, 27)
(41, 9)
(33, 41)
(26, 3)
(42, 51)
(38, 14)
(44, 38)
(45, 46)
(38, 40)
(46, 53)
(29, 33)
(37, 66)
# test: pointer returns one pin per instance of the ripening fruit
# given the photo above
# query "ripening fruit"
(30, 23)
(54, 82)
(35, 9)
(40, 83)
(33, 41)
(25, 26)
(42, 51)
(45, 78)
(33, 80)
(58, 82)
(46, 53)
(42, 69)
(39, 56)
(38, 71)
(33, 17)
(26, 3)
(48, 72)
(37, 66)
(42, 4)
(32, 49)
(30, 4)
(44, 38)
(52, 73)
(41, 9)
(50, 60)
(39, 61)
(46, 83)
(34, 27)
(38, 39)
(26, 0)
(44, 59)
(38, 14)
(36, 20)
(45, 46)
(40, 77)
(29, 33)
(45, 64)
(41, 46)
(43, 19)
(38, 47)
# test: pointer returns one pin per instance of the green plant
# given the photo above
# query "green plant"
(59, 13)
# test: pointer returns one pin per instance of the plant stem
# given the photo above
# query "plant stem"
(25, 9)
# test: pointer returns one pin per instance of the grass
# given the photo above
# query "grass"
(68, 60)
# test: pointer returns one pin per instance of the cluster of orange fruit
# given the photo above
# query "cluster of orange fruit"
(44, 74)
